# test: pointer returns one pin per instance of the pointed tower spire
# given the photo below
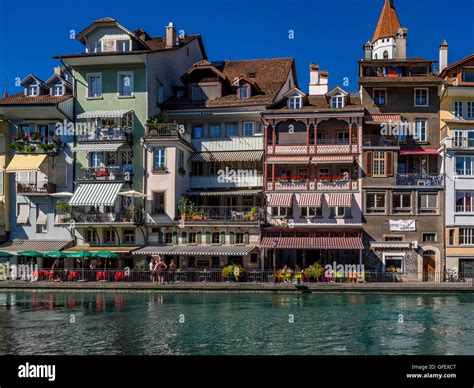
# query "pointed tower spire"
(388, 22)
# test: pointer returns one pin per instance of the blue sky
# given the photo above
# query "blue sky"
(330, 33)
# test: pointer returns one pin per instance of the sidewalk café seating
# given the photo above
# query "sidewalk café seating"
(339, 276)
(328, 277)
(361, 277)
(119, 276)
(352, 277)
(74, 275)
(102, 275)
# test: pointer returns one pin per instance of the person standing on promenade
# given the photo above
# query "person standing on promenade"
(152, 269)
(172, 269)
(161, 267)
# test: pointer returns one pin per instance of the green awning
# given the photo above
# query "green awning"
(96, 194)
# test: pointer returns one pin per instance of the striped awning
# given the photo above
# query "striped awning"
(390, 245)
(378, 119)
(279, 199)
(312, 243)
(97, 147)
(332, 159)
(198, 250)
(228, 156)
(96, 194)
(103, 113)
(25, 163)
(15, 246)
(98, 248)
(309, 199)
(223, 193)
(340, 199)
(288, 159)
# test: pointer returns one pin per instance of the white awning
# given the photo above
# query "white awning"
(97, 147)
(42, 218)
(198, 250)
(23, 214)
(96, 194)
(103, 113)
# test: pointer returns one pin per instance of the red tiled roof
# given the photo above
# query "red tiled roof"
(456, 64)
(388, 22)
(21, 99)
(414, 79)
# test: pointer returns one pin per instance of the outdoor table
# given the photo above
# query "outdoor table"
(102, 275)
(74, 275)
(119, 276)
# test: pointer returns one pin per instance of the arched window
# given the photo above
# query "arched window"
(385, 54)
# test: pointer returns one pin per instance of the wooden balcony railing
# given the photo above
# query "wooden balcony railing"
(313, 185)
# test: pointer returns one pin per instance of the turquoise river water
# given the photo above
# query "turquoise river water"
(222, 323)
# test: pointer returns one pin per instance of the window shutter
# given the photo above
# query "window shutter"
(368, 163)
(246, 238)
(175, 238)
(184, 238)
(389, 163)
(222, 238)
(232, 238)
(198, 238)
(208, 237)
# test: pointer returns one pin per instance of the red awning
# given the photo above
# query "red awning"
(312, 243)
(340, 199)
(309, 199)
(378, 119)
(280, 199)
(420, 151)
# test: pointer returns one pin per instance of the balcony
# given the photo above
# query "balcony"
(110, 173)
(167, 131)
(323, 147)
(131, 217)
(239, 214)
(228, 143)
(314, 185)
(380, 141)
(435, 180)
(106, 134)
(39, 188)
(216, 181)
(460, 143)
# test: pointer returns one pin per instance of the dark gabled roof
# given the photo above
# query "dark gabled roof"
(54, 76)
(456, 64)
(42, 99)
(268, 74)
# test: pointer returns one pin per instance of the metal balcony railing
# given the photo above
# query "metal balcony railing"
(105, 134)
(419, 179)
(110, 173)
(26, 188)
(173, 130)
(136, 217)
(223, 213)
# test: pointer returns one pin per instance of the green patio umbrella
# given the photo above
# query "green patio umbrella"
(79, 255)
(30, 254)
(106, 255)
(55, 255)
(6, 254)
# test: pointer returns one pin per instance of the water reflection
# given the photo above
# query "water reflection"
(229, 323)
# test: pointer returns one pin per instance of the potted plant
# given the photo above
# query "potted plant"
(181, 171)
(283, 179)
(29, 148)
(140, 265)
(183, 207)
(197, 215)
(64, 209)
(296, 179)
(252, 214)
(157, 119)
(129, 212)
(314, 271)
(228, 272)
(16, 147)
(36, 137)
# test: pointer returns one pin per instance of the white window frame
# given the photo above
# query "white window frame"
(245, 87)
(384, 90)
(60, 85)
(109, 236)
(121, 74)
(118, 42)
(426, 90)
(470, 109)
(384, 208)
(469, 236)
(96, 45)
(429, 233)
(295, 102)
(337, 102)
(88, 89)
(458, 108)
(244, 128)
(128, 232)
(93, 235)
(418, 127)
(465, 194)
(34, 88)
(162, 155)
(403, 209)
(395, 254)
(420, 208)
(468, 168)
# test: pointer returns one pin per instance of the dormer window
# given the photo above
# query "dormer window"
(337, 101)
(295, 102)
(94, 47)
(244, 92)
(123, 46)
(57, 90)
(32, 90)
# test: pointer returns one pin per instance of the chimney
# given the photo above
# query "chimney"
(318, 81)
(170, 35)
(401, 43)
(443, 55)
(368, 47)
(57, 70)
